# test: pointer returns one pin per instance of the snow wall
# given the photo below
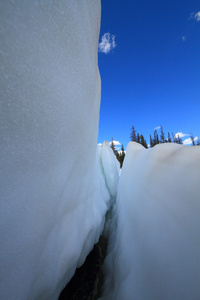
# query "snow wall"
(53, 195)
(155, 252)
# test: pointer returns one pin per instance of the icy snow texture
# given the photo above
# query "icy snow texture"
(53, 197)
(110, 168)
(157, 249)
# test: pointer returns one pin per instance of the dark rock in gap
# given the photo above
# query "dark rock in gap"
(87, 281)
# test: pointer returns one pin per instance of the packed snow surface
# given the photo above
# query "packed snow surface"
(56, 186)
(110, 168)
(156, 251)
(53, 195)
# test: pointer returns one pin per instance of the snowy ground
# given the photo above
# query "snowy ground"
(56, 185)
(155, 249)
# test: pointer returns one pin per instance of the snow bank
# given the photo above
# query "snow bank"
(53, 198)
(110, 168)
(156, 254)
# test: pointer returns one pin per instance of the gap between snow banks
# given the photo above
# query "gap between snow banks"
(88, 279)
(153, 227)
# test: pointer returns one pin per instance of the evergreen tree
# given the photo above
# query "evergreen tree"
(169, 138)
(162, 135)
(112, 146)
(143, 142)
(174, 138)
(192, 139)
(133, 134)
(179, 140)
(138, 138)
(198, 142)
(156, 138)
(121, 156)
(151, 142)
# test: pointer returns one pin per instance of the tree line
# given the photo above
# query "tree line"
(159, 138)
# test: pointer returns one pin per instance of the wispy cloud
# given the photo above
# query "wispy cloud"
(180, 135)
(195, 16)
(183, 38)
(107, 43)
(157, 128)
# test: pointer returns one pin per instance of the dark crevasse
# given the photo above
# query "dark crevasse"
(88, 279)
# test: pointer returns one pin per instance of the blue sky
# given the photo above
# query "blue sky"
(150, 68)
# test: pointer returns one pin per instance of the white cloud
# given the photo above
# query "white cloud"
(183, 38)
(157, 128)
(116, 143)
(195, 16)
(107, 43)
(180, 135)
(187, 141)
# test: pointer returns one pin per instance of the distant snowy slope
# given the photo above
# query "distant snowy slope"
(157, 249)
(53, 197)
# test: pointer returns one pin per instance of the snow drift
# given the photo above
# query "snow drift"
(110, 168)
(156, 254)
(53, 196)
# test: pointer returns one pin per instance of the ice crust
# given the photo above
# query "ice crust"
(53, 195)
(155, 252)
(110, 168)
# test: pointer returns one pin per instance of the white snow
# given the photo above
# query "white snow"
(56, 185)
(53, 197)
(110, 168)
(156, 253)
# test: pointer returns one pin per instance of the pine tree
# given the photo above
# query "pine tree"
(162, 135)
(192, 139)
(169, 138)
(143, 142)
(133, 134)
(151, 141)
(179, 140)
(112, 146)
(121, 156)
(156, 138)
(174, 138)
(198, 142)
(138, 138)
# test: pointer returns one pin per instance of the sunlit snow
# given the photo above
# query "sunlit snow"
(156, 253)
(57, 184)
(53, 196)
